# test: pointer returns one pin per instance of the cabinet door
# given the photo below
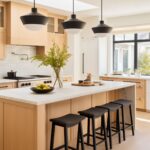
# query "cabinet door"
(1, 126)
(20, 127)
(2, 43)
(1, 16)
(17, 33)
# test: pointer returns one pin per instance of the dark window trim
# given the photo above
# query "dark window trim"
(135, 41)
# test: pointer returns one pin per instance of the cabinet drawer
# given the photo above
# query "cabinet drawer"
(6, 86)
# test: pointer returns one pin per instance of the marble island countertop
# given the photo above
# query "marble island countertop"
(25, 95)
(128, 76)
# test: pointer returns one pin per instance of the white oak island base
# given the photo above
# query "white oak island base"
(26, 126)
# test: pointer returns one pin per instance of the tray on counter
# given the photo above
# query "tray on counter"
(83, 84)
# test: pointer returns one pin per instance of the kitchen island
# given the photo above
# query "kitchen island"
(24, 116)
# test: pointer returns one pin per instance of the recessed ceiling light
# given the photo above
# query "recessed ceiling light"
(65, 5)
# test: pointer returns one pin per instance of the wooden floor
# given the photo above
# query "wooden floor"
(141, 140)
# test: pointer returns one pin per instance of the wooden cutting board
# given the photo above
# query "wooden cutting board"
(83, 84)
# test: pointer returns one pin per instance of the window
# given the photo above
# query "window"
(123, 57)
(131, 52)
(142, 36)
(144, 57)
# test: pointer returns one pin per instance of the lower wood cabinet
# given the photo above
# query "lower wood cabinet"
(140, 89)
(8, 85)
(1, 126)
(20, 127)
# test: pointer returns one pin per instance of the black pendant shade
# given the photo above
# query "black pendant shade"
(102, 28)
(34, 18)
(73, 23)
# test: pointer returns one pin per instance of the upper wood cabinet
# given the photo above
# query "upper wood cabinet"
(17, 32)
(1, 16)
(2, 29)
(55, 25)
(55, 31)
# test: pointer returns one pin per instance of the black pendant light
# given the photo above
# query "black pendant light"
(73, 25)
(102, 29)
(34, 20)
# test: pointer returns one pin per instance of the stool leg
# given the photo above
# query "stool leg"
(94, 136)
(105, 133)
(109, 130)
(52, 137)
(88, 132)
(118, 126)
(123, 123)
(130, 109)
(66, 138)
(81, 136)
(78, 138)
(101, 130)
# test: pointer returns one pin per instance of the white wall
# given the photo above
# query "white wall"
(23, 67)
(73, 67)
(95, 49)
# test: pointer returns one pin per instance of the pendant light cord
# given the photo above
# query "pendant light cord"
(73, 6)
(101, 9)
(34, 3)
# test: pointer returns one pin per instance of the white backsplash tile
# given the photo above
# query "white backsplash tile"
(23, 67)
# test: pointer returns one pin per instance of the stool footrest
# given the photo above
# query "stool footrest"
(62, 146)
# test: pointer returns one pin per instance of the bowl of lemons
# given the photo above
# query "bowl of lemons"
(42, 89)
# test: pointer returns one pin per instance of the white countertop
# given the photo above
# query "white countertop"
(127, 76)
(25, 95)
(7, 81)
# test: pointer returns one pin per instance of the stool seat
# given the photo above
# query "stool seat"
(93, 112)
(68, 120)
(110, 106)
(123, 102)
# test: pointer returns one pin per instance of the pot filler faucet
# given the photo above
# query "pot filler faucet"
(26, 55)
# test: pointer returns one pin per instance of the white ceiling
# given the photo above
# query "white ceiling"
(112, 8)
(115, 8)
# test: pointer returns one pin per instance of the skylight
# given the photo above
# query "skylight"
(65, 5)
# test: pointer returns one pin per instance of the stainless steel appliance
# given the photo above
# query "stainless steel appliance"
(32, 80)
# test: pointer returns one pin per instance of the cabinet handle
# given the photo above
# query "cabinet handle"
(139, 98)
(140, 86)
(1, 87)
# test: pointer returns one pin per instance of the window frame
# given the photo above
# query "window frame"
(135, 41)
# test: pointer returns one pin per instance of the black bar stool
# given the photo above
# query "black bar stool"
(112, 107)
(126, 103)
(66, 122)
(91, 115)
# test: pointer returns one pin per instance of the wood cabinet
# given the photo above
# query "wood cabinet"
(20, 127)
(67, 78)
(17, 32)
(2, 29)
(8, 85)
(140, 89)
(12, 31)
(55, 31)
(1, 125)
(2, 43)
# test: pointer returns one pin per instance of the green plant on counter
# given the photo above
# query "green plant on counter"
(56, 58)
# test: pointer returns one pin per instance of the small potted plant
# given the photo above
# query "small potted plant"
(56, 58)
